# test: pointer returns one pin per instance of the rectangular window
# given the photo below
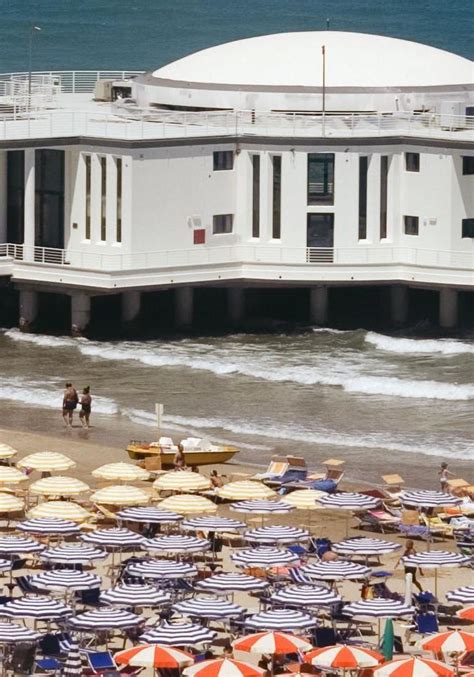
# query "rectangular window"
(468, 164)
(321, 178)
(468, 228)
(320, 230)
(88, 162)
(118, 225)
(223, 159)
(15, 196)
(222, 223)
(411, 225)
(276, 217)
(49, 198)
(412, 162)
(383, 196)
(103, 198)
(363, 170)
(255, 195)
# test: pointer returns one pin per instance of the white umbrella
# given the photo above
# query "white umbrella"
(379, 608)
(37, 607)
(175, 543)
(436, 559)
(164, 568)
(121, 472)
(208, 607)
(230, 581)
(120, 494)
(115, 537)
(11, 633)
(6, 451)
(349, 501)
(66, 510)
(10, 503)
(212, 523)
(77, 553)
(103, 619)
(276, 534)
(46, 461)
(243, 490)
(148, 515)
(11, 475)
(305, 595)
(366, 547)
(135, 594)
(428, 499)
(264, 556)
(281, 619)
(179, 634)
(336, 570)
(464, 595)
(65, 579)
(48, 526)
(182, 481)
(58, 485)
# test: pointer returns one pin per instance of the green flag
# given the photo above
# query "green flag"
(387, 640)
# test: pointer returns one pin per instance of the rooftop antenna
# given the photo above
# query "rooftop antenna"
(327, 24)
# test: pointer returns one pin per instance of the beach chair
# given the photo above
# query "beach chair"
(378, 520)
(436, 525)
(276, 468)
(466, 662)
(298, 577)
(49, 666)
(100, 662)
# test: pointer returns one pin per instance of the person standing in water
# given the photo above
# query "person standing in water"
(86, 405)
(444, 475)
(70, 400)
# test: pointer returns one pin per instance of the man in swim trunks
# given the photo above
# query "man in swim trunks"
(70, 400)
(86, 404)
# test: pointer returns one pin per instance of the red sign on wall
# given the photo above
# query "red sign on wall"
(199, 236)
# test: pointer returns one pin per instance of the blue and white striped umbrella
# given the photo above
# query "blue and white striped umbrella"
(426, 498)
(14, 545)
(135, 594)
(208, 607)
(65, 579)
(276, 534)
(305, 595)
(116, 537)
(464, 595)
(210, 523)
(11, 633)
(335, 570)
(379, 608)
(361, 545)
(35, 606)
(262, 507)
(230, 581)
(5, 564)
(48, 526)
(436, 559)
(176, 543)
(162, 568)
(78, 553)
(103, 619)
(349, 500)
(148, 515)
(178, 634)
(73, 663)
(285, 620)
(264, 556)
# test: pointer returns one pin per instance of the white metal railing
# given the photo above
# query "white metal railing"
(70, 82)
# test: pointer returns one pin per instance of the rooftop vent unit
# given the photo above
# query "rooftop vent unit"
(111, 90)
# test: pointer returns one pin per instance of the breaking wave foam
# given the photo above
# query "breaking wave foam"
(394, 344)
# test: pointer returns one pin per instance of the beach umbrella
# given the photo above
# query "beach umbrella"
(120, 494)
(6, 451)
(378, 608)
(230, 581)
(365, 547)
(305, 595)
(305, 499)
(413, 667)
(121, 472)
(154, 656)
(428, 499)
(5, 565)
(162, 568)
(276, 534)
(284, 620)
(272, 642)
(388, 640)
(135, 594)
(466, 614)
(73, 663)
(335, 570)
(58, 485)
(465, 595)
(182, 481)
(188, 504)
(77, 553)
(176, 543)
(350, 502)
(65, 579)
(178, 634)
(212, 523)
(46, 461)
(264, 556)
(48, 526)
(342, 656)
(208, 607)
(66, 510)
(37, 607)
(435, 559)
(453, 641)
(15, 545)
(243, 490)
(103, 619)
(262, 507)
(11, 475)
(148, 515)
(115, 537)
(223, 667)
(10, 503)
(11, 633)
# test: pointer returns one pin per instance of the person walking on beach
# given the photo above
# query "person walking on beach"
(70, 400)
(179, 461)
(410, 550)
(444, 475)
(86, 404)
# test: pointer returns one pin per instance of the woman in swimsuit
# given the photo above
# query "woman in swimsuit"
(86, 402)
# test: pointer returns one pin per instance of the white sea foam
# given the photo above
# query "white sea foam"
(394, 344)
(40, 339)
(329, 330)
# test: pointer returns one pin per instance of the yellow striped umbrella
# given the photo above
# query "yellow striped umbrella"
(10, 503)
(6, 451)
(305, 499)
(63, 509)
(121, 472)
(244, 490)
(187, 504)
(182, 481)
(58, 486)
(120, 494)
(11, 475)
(47, 461)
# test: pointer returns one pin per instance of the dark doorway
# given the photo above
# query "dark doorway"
(15, 196)
(49, 198)
(320, 230)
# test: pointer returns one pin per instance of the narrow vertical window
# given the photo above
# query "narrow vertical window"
(88, 197)
(256, 196)
(103, 199)
(118, 225)
(276, 218)
(321, 178)
(363, 168)
(383, 196)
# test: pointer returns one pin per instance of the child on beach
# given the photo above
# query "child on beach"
(444, 474)
(410, 550)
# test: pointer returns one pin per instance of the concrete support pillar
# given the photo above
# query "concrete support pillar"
(448, 308)
(399, 304)
(235, 305)
(183, 307)
(29, 214)
(130, 306)
(28, 309)
(80, 313)
(318, 305)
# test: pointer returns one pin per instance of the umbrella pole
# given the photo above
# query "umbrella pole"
(436, 583)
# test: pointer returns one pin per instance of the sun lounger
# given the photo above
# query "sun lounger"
(378, 520)
(276, 469)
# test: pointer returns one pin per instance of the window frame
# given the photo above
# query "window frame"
(466, 225)
(327, 195)
(384, 173)
(468, 165)
(103, 197)
(413, 226)
(412, 162)
(362, 202)
(87, 194)
(256, 191)
(225, 228)
(276, 196)
(217, 165)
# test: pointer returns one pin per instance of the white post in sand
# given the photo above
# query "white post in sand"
(408, 588)
(159, 408)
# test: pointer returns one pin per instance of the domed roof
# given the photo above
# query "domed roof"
(295, 60)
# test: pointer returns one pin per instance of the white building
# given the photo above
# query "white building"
(299, 159)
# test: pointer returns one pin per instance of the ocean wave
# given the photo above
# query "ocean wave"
(329, 330)
(403, 346)
(41, 340)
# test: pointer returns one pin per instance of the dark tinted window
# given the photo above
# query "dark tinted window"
(321, 178)
(468, 227)
(412, 162)
(468, 164)
(223, 159)
(411, 225)
(222, 223)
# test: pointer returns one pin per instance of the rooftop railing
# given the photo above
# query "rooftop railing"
(70, 82)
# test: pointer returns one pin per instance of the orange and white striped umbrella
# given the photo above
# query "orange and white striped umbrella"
(454, 641)
(342, 656)
(414, 667)
(466, 614)
(223, 667)
(271, 643)
(154, 656)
